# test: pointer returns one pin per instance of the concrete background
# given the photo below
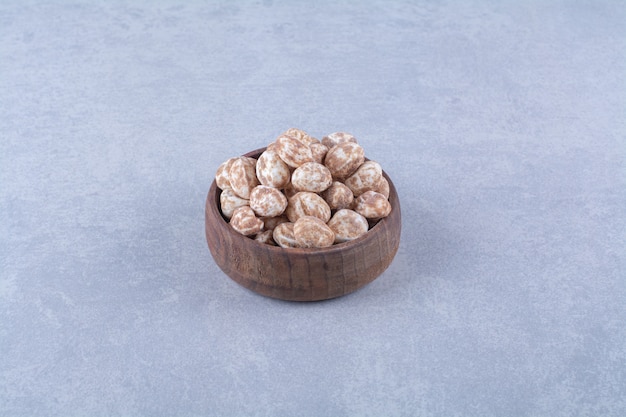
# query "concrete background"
(502, 124)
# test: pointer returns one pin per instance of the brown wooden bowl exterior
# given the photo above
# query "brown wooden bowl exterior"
(302, 274)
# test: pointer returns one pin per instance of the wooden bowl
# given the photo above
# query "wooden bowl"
(302, 274)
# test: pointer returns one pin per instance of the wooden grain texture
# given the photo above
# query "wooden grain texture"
(302, 274)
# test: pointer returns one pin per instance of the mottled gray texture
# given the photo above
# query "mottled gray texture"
(502, 124)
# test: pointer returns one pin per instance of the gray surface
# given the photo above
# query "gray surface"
(502, 125)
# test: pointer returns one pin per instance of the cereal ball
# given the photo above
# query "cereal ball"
(366, 178)
(318, 150)
(305, 203)
(311, 232)
(271, 170)
(292, 151)
(267, 201)
(383, 187)
(336, 138)
(343, 159)
(301, 135)
(348, 225)
(245, 222)
(229, 201)
(283, 235)
(312, 177)
(338, 196)
(372, 205)
(242, 175)
(248, 160)
(270, 223)
(221, 176)
(266, 237)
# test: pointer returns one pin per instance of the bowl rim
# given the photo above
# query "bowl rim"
(338, 247)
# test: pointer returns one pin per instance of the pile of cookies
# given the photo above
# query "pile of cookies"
(304, 193)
